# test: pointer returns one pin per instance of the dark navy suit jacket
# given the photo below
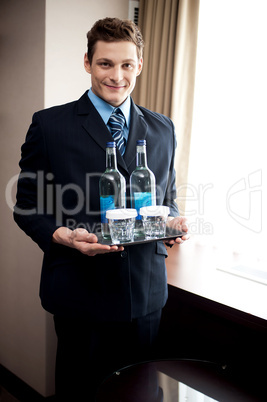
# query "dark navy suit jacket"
(62, 160)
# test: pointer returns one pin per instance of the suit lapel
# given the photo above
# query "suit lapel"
(93, 122)
(138, 131)
(97, 129)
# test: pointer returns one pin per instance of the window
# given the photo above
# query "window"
(226, 191)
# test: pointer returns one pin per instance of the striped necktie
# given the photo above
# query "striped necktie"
(116, 123)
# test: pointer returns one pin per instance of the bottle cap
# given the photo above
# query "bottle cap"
(121, 213)
(155, 210)
(111, 144)
(141, 142)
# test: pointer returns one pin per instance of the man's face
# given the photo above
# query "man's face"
(114, 69)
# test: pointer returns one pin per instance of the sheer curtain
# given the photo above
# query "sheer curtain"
(166, 84)
(227, 173)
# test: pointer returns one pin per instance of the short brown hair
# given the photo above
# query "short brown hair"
(114, 30)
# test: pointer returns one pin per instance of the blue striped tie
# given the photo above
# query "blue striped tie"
(116, 123)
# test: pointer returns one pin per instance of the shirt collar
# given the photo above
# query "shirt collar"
(105, 109)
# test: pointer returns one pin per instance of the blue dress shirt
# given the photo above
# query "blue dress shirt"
(105, 110)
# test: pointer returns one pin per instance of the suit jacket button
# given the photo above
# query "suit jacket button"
(123, 254)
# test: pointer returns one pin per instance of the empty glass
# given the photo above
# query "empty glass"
(154, 220)
(121, 224)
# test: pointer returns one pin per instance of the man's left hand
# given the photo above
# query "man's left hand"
(180, 224)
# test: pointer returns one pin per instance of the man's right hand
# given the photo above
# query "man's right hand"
(82, 240)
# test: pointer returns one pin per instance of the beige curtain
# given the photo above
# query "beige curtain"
(158, 23)
(183, 90)
(166, 84)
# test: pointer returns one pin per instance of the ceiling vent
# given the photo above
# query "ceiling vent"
(133, 11)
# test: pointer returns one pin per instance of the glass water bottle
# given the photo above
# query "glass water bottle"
(142, 183)
(112, 188)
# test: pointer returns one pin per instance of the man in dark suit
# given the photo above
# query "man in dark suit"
(106, 300)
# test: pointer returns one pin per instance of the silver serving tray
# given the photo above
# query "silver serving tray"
(141, 239)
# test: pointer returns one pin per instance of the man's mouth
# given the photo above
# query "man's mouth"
(115, 87)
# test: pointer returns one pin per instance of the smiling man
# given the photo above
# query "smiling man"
(113, 72)
(106, 300)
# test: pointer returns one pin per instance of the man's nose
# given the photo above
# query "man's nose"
(116, 74)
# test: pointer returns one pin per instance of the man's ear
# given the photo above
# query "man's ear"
(87, 64)
(140, 66)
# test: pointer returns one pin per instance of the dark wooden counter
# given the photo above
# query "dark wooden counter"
(204, 271)
(214, 315)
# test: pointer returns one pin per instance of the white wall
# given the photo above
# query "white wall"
(22, 320)
(42, 47)
(67, 23)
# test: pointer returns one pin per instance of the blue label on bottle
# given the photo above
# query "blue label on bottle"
(105, 204)
(142, 200)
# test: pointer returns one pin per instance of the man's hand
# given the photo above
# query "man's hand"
(82, 240)
(179, 224)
